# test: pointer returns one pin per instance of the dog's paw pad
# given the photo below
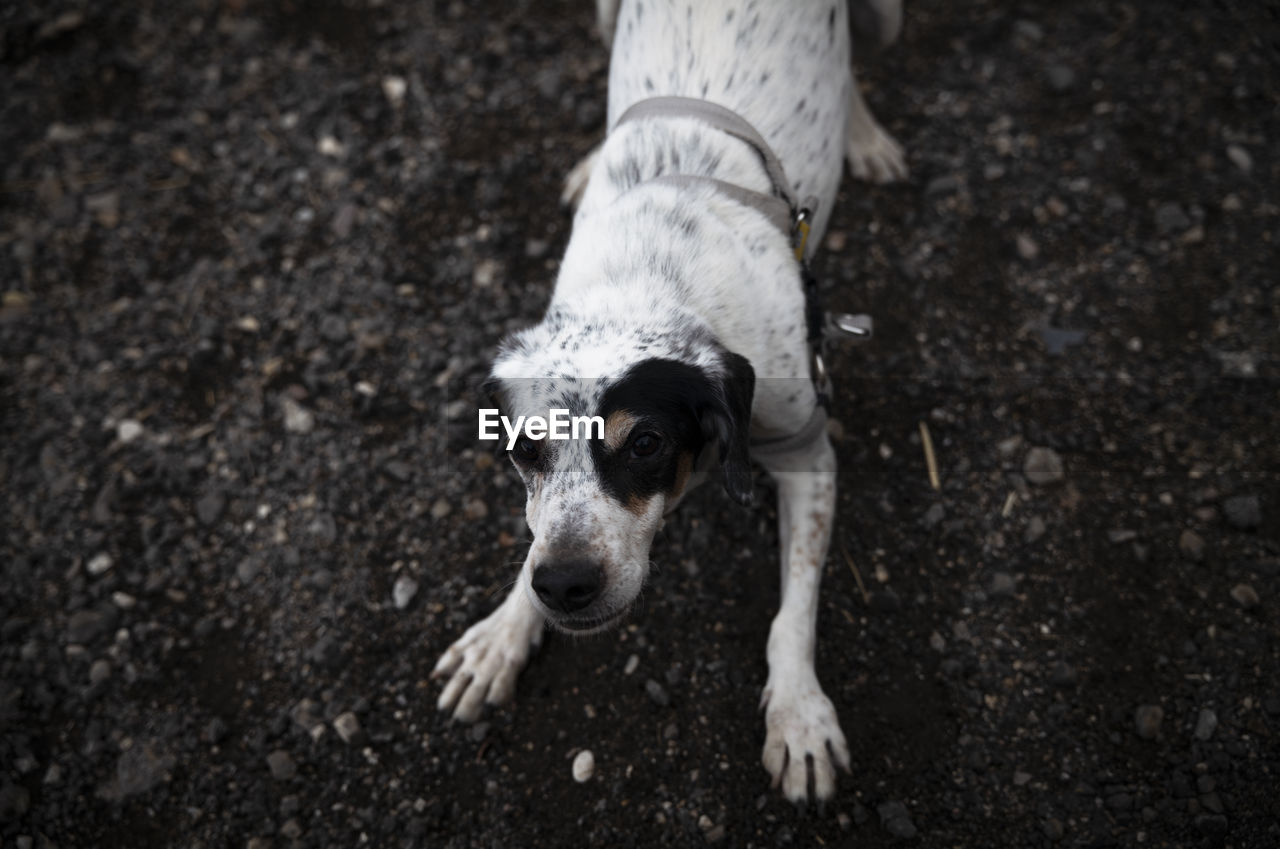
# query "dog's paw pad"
(803, 744)
(876, 157)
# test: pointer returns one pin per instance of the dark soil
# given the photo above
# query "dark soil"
(248, 294)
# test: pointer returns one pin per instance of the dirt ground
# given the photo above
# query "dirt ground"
(255, 257)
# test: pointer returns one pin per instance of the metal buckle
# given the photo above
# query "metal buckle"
(847, 327)
(800, 227)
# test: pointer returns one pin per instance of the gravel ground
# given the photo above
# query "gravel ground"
(255, 255)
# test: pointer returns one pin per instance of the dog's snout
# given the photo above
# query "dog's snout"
(568, 587)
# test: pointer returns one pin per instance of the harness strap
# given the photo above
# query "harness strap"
(723, 119)
(776, 445)
(775, 209)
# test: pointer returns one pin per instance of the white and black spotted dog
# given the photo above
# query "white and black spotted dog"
(679, 317)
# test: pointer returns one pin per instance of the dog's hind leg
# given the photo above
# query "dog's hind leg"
(483, 664)
(802, 732)
(873, 154)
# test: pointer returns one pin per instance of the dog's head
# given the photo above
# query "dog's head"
(663, 415)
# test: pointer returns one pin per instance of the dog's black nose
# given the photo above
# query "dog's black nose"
(567, 587)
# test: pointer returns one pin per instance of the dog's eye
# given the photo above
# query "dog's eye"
(645, 445)
(527, 450)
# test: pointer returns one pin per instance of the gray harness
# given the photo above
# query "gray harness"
(782, 209)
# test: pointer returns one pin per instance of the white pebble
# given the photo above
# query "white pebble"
(297, 418)
(347, 726)
(584, 766)
(128, 430)
(404, 591)
(632, 663)
(100, 563)
(1240, 157)
(394, 88)
(329, 146)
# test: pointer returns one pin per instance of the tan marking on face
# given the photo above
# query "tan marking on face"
(637, 506)
(684, 469)
(617, 428)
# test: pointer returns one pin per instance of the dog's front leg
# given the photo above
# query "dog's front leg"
(802, 732)
(483, 664)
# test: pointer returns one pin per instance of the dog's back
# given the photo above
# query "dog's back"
(784, 67)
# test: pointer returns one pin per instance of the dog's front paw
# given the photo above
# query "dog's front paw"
(483, 665)
(876, 156)
(575, 184)
(802, 733)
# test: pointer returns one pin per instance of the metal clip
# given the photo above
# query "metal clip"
(847, 327)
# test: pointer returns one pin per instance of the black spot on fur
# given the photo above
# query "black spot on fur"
(688, 409)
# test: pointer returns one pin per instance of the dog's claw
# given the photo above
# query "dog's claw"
(803, 743)
(876, 157)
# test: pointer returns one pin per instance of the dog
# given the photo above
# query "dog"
(679, 319)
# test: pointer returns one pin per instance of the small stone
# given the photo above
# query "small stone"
(1028, 32)
(291, 830)
(348, 726)
(101, 562)
(935, 514)
(1027, 247)
(1243, 511)
(1063, 674)
(403, 592)
(584, 766)
(1002, 585)
(657, 693)
(886, 600)
(1146, 721)
(1170, 218)
(297, 418)
(1035, 529)
(1021, 779)
(100, 671)
(947, 184)
(1245, 596)
(248, 569)
(1206, 722)
(896, 820)
(139, 769)
(85, 625)
(128, 430)
(1240, 157)
(443, 507)
(1043, 466)
(937, 642)
(1060, 77)
(1191, 544)
(282, 766)
(485, 272)
(632, 663)
(330, 146)
(844, 821)
(475, 510)
(715, 834)
(394, 87)
(209, 507)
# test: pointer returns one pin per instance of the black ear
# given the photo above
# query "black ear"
(728, 422)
